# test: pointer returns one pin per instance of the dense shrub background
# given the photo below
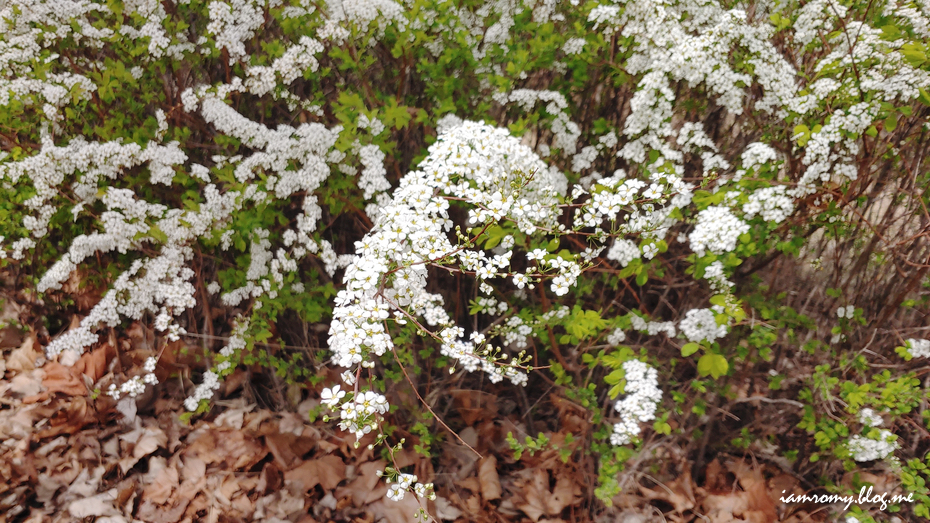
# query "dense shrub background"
(217, 170)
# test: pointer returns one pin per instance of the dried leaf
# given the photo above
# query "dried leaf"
(489, 480)
(93, 364)
(535, 492)
(59, 378)
(24, 358)
(327, 472)
(146, 440)
(270, 480)
(194, 469)
(278, 506)
(78, 287)
(221, 445)
(753, 504)
(234, 417)
(152, 513)
(10, 337)
(127, 407)
(160, 481)
(28, 384)
(95, 506)
(85, 485)
(152, 439)
(395, 511)
(446, 511)
(69, 357)
(363, 489)
(474, 405)
(288, 448)
(753, 482)
(677, 493)
(562, 496)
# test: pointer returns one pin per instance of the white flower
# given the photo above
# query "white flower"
(536, 254)
(650, 250)
(869, 418)
(348, 377)
(395, 492)
(331, 396)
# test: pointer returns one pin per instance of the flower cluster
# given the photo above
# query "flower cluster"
(918, 348)
(865, 448)
(717, 231)
(771, 203)
(875, 443)
(210, 383)
(846, 312)
(136, 385)
(359, 412)
(228, 354)
(623, 252)
(716, 276)
(616, 337)
(400, 484)
(471, 161)
(639, 404)
(869, 418)
(701, 325)
(652, 327)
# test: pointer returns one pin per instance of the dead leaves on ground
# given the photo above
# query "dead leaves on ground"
(734, 490)
(67, 454)
(160, 471)
(544, 487)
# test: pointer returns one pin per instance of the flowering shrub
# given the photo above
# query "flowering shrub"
(343, 163)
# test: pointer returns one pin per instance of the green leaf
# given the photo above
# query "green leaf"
(713, 365)
(689, 349)
(614, 391)
(803, 134)
(396, 115)
(890, 33)
(924, 96)
(662, 427)
(495, 234)
(891, 123)
(157, 233)
(914, 53)
(614, 377)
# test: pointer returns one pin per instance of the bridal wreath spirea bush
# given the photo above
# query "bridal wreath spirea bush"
(578, 174)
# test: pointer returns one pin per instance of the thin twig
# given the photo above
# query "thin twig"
(770, 400)
(430, 409)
